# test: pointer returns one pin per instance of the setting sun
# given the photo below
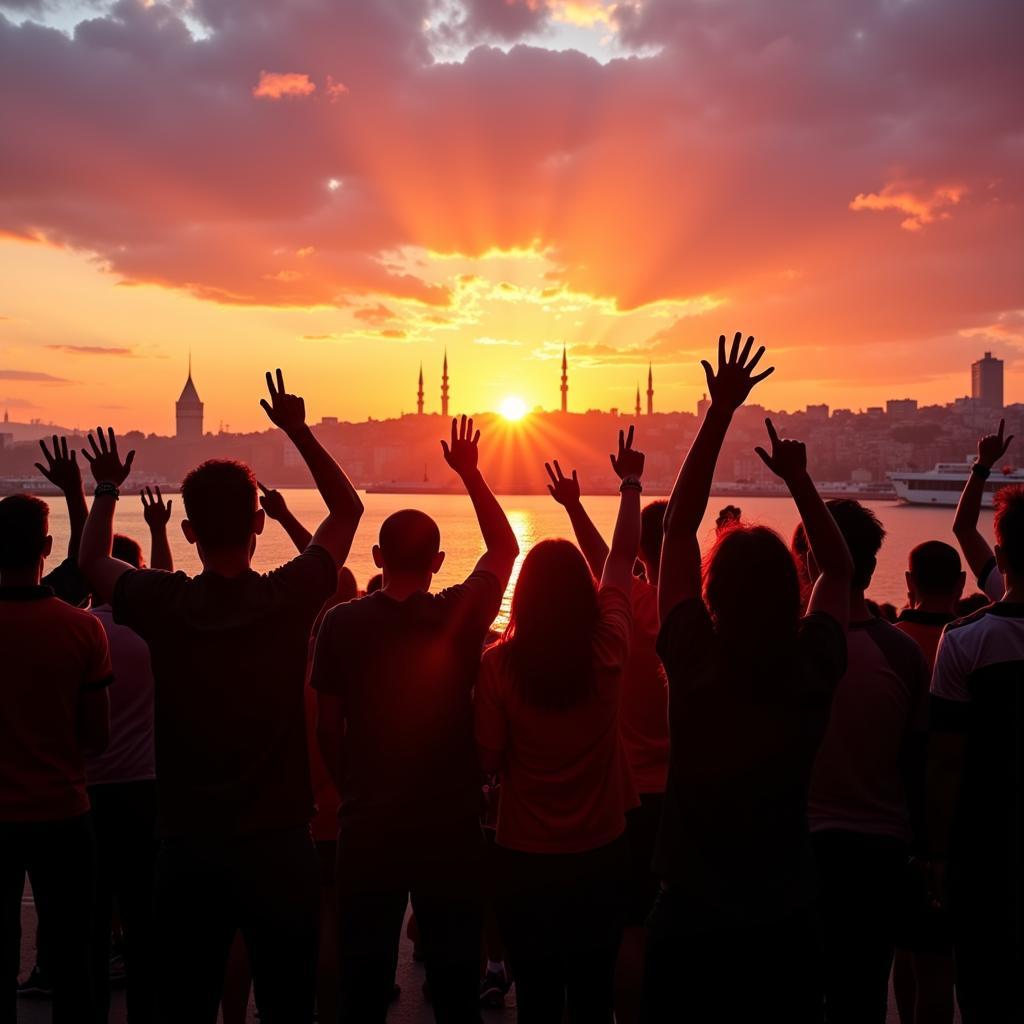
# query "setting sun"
(513, 408)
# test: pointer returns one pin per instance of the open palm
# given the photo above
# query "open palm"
(734, 379)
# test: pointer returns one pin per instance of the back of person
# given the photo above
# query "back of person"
(51, 654)
(405, 670)
(565, 780)
(857, 783)
(228, 658)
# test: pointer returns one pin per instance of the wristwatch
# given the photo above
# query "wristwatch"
(107, 490)
(630, 483)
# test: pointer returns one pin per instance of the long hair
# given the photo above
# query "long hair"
(751, 590)
(549, 639)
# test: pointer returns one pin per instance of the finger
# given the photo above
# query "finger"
(746, 350)
(64, 447)
(709, 373)
(469, 428)
(128, 461)
(262, 487)
(447, 451)
(455, 431)
(558, 470)
(1006, 443)
(757, 358)
(159, 496)
(721, 351)
(551, 474)
(629, 437)
(266, 405)
(113, 440)
(575, 479)
(74, 460)
(551, 491)
(56, 447)
(101, 438)
(93, 445)
(761, 376)
(736, 339)
(142, 495)
(280, 381)
(85, 455)
(462, 428)
(149, 494)
(46, 454)
(622, 441)
(615, 465)
(772, 434)
(169, 504)
(270, 384)
(476, 438)
(43, 471)
(764, 457)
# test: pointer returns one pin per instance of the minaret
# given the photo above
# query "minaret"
(419, 394)
(638, 401)
(565, 381)
(650, 391)
(188, 411)
(444, 386)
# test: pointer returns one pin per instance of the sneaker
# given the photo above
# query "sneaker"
(493, 989)
(36, 985)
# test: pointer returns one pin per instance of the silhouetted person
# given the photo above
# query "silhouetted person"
(643, 723)
(976, 785)
(122, 790)
(982, 562)
(374, 583)
(228, 649)
(547, 722)
(733, 935)
(394, 674)
(923, 966)
(53, 711)
(867, 776)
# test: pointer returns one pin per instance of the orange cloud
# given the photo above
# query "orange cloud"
(920, 210)
(274, 85)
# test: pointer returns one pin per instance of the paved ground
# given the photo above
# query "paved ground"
(410, 1008)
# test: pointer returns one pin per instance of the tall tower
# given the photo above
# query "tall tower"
(638, 401)
(650, 390)
(565, 381)
(444, 386)
(419, 394)
(188, 411)
(987, 381)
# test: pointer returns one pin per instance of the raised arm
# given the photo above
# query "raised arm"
(273, 503)
(94, 558)
(62, 471)
(499, 538)
(344, 509)
(831, 592)
(566, 491)
(629, 468)
(679, 576)
(157, 514)
(979, 555)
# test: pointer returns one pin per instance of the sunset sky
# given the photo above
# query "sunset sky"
(344, 188)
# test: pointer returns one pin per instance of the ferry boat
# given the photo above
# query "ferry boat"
(944, 484)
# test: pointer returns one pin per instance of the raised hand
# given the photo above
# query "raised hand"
(155, 510)
(991, 448)
(272, 502)
(105, 461)
(463, 452)
(285, 411)
(734, 380)
(628, 462)
(788, 459)
(564, 489)
(61, 467)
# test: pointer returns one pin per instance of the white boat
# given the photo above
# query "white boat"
(944, 484)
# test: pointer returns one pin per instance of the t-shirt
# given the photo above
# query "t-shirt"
(925, 629)
(565, 782)
(229, 659)
(51, 654)
(977, 691)
(404, 672)
(643, 712)
(881, 701)
(734, 843)
(991, 581)
(129, 756)
(68, 583)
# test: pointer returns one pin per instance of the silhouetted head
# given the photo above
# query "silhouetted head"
(863, 534)
(652, 531)
(971, 603)
(1009, 527)
(24, 533)
(751, 587)
(347, 588)
(125, 549)
(375, 582)
(935, 575)
(728, 517)
(221, 506)
(549, 639)
(409, 545)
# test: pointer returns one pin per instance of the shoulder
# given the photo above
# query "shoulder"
(900, 650)
(977, 619)
(822, 641)
(482, 582)
(314, 560)
(687, 632)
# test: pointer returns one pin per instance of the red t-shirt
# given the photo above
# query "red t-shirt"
(643, 713)
(52, 654)
(566, 785)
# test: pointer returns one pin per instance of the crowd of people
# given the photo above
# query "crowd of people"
(680, 785)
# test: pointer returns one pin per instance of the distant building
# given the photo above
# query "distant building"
(188, 411)
(818, 413)
(444, 386)
(901, 407)
(987, 381)
(419, 394)
(702, 408)
(565, 381)
(650, 390)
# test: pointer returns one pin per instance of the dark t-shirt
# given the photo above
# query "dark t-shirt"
(229, 660)
(404, 672)
(745, 727)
